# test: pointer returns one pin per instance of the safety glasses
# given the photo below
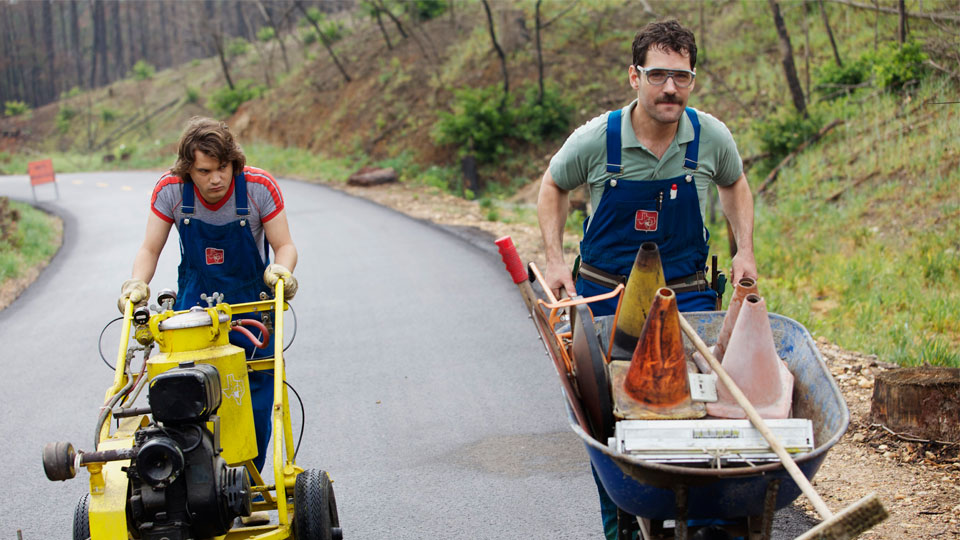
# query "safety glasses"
(683, 78)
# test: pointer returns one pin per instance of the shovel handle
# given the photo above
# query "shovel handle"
(518, 272)
(805, 486)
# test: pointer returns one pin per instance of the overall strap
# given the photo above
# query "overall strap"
(613, 142)
(693, 147)
(188, 204)
(240, 191)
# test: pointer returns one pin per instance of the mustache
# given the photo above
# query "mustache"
(668, 99)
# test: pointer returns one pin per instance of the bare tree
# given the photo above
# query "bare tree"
(826, 24)
(902, 27)
(789, 69)
(271, 20)
(503, 57)
(383, 7)
(49, 52)
(323, 39)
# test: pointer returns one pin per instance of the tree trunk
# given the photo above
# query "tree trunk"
(539, 55)
(826, 24)
(268, 16)
(38, 92)
(120, 65)
(921, 402)
(222, 56)
(503, 58)
(902, 27)
(386, 36)
(396, 21)
(789, 69)
(77, 52)
(49, 52)
(323, 39)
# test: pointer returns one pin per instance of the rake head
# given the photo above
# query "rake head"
(849, 522)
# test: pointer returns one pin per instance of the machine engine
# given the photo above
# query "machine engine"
(180, 485)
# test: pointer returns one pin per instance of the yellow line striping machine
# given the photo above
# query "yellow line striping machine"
(182, 467)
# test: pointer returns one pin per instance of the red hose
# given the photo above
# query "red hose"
(239, 324)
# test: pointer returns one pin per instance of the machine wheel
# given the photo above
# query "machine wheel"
(81, 519)
(315, 507)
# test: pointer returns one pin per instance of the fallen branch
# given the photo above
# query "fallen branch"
(894, 11)
(116, 134)
(911, 438)
(776, 170)
(857, 182)
(943, 69)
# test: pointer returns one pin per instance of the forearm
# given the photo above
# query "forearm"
(737, 202)
(286, 255)
(144, 265)
(552, 207)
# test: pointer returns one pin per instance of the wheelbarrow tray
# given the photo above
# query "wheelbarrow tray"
(661, 491)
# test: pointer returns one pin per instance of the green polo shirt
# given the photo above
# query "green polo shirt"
(583, 157)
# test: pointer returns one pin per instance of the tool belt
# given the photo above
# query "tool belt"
(693, 283)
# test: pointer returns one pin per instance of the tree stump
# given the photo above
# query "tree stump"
(921, 402)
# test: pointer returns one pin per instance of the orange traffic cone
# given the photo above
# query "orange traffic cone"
(740, 291)
(751, 361)
(654, 384)
(646, 278)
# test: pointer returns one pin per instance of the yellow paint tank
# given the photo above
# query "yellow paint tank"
(201, 337)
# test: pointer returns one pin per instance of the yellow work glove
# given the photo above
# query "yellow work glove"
(276, 271)
(134, 290)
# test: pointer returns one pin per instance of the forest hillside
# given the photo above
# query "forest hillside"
(853, 156)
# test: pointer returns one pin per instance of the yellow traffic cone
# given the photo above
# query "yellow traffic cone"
(646, 278)
(654, 384)
(751, 361)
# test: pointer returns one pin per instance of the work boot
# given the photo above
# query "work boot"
(254, 519)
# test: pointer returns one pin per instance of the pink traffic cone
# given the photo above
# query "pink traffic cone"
(751, 361)
(740, 291)
(655, 385)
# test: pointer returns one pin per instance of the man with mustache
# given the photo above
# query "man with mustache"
(648, 167)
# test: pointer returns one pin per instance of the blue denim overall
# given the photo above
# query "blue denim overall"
(225, 259)
(633, 211)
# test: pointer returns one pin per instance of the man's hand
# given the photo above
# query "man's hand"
(559, 279)
(274, 273)
(744, 265)
(135, 290)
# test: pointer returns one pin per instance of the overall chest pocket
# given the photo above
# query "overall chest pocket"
(648, 220)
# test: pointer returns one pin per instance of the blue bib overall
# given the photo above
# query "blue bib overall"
(225, 259)
(633, 211)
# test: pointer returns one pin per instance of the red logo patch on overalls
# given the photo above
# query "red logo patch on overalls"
(214, 256)
(646, 220)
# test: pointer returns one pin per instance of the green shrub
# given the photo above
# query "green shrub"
(426, 9)
(266, 33)
(225, 101)
(832, 77)
(195, 62)
(896, 66)
(479, 125)
(309, 36)
(542, 120)
(15, 108)
(193, 95)
(142, 71)
(237, 47)
(124, 152)
(108, 115)
(783, 132)
(73, 92)
(64, 116)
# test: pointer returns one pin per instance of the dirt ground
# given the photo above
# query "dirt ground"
(917, 482)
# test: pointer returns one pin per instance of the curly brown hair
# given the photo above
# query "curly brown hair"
(213, 138)
(668, 36)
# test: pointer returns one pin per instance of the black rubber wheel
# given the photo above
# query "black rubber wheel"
(315, 507)
(81, 519)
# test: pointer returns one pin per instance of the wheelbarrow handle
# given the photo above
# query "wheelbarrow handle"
(511, 259)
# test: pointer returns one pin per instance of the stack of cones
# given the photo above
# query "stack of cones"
(654, 384)
(646, 278)
(750, 358)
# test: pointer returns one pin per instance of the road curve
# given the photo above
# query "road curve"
(428, 397)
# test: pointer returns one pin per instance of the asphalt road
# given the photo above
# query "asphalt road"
(428, 396)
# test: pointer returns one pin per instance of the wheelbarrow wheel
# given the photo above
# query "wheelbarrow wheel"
(81, 519)
(315, 514)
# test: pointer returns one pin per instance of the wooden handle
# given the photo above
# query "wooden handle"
(805, 486)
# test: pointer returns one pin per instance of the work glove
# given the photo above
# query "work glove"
(276, 271)
(134, 290)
